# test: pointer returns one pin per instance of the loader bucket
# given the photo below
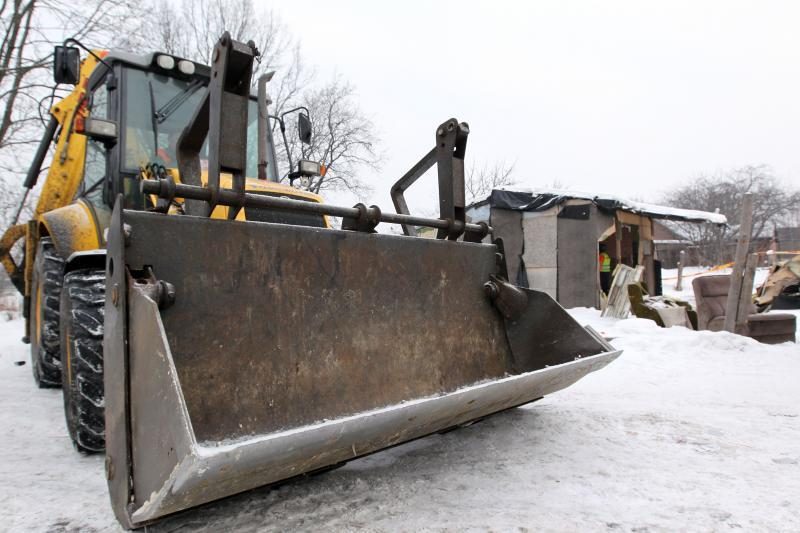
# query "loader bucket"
(240, 354)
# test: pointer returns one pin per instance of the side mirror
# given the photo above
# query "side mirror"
(304, 128)
(66, 65)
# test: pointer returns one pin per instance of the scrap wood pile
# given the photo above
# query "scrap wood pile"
(618, 304)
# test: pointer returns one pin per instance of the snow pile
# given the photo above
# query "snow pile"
(687, 430)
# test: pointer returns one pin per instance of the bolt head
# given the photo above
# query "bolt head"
(491, 289)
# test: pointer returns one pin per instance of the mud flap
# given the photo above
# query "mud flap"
(239, 354)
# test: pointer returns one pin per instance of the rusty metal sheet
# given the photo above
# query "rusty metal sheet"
(276, 326)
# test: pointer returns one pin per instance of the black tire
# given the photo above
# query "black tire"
(82, 302)
(46, 282)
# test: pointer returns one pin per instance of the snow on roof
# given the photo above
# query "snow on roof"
(612, 202)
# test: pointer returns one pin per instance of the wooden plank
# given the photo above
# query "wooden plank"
(619, 304)
(742, 245)
(746, 297)
(648, 262)
(646, 229)
(629, 218)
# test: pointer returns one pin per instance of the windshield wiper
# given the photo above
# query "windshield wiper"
(154, 119)
(172, 105)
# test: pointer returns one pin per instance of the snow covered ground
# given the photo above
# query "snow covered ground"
(686, 431)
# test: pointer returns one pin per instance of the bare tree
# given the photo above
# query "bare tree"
(192, 28)
(723, 193)
(558, 183)
(344, 139)
(480, 181)
(30, 29)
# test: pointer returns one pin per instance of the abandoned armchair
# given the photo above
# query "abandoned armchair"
(663, 310)
(711, 294)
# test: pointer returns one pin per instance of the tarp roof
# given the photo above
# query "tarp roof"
(543, 199)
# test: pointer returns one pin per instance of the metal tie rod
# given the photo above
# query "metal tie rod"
(366, 218)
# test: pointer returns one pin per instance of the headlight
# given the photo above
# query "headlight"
(166, 62)
(187, 67)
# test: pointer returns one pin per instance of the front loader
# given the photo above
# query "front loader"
(249, 349)
(120, 123)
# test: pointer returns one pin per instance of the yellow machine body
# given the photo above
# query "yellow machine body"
(73, 224)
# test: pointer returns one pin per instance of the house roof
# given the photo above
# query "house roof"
(518, 199)
(787, 234)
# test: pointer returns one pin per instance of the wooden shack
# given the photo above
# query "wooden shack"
(552, 238)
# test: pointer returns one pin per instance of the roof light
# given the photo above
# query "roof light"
(187, 67)
(99, 129)
(165, 62)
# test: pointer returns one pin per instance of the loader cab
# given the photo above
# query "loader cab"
(146, 100)
(138, 106)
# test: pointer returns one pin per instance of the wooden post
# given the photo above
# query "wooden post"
(648, 250)
(746, 298)
(618, 238)
(681, 259)
(742, 245)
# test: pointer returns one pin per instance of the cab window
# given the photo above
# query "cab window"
(158, 108)
(94, 170)
(94, 173)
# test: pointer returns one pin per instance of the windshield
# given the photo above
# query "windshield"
(158, 107)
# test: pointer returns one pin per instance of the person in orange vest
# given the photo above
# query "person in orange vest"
(604, 264)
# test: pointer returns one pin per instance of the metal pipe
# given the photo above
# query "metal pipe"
(166, 189)
(41, 153)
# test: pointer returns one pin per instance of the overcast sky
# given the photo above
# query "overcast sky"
(629, 98)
